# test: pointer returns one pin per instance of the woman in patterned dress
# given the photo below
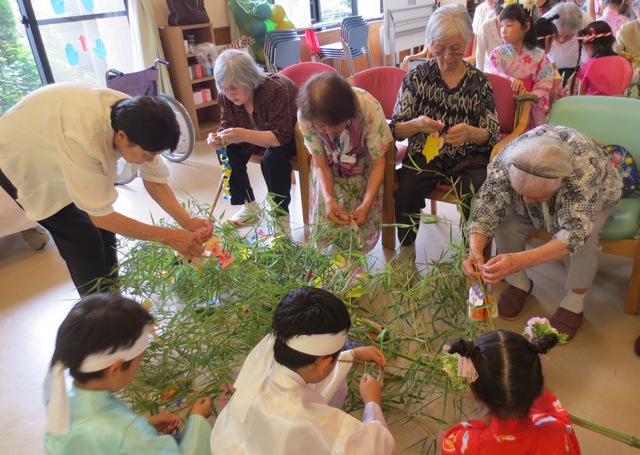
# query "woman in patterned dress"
(552, 178)
(450, 102)
(345, 130)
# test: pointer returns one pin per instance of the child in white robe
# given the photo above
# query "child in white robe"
(102, 341)
(286, 406)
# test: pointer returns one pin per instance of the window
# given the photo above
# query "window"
(303, 14)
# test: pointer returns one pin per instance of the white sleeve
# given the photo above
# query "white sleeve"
(155, 171)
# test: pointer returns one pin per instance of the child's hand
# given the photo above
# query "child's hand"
(517, 85)
(370, 389)
(202, 407)
(164, 423)
(370, 354)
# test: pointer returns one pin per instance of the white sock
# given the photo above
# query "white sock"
(573, 302)
(520, 280)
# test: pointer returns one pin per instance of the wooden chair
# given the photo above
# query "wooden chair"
(610, 120)
(300, 163)
(383, 83)
(513, 114)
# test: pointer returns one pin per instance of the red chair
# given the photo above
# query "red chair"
(383, 83)
(301, 72)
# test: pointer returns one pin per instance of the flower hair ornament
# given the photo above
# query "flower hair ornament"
(459, 368)
(593, 35)
(538, 327)
(526, 4)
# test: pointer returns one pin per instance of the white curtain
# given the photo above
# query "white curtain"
(146, 41)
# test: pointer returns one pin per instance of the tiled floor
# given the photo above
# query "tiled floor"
(596, 375)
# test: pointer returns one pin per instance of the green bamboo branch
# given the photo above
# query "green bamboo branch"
(627, 439)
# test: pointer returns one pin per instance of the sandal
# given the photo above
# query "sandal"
(512, 301)
(565, 321)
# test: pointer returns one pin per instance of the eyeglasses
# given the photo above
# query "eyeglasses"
(454, 54)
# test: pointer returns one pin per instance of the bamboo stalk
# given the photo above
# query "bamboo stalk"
(627, 439)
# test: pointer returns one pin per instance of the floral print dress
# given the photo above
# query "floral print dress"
(532, 67)
(351, 156)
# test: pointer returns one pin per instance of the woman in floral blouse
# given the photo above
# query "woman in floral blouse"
(555, 179)
(345, 130)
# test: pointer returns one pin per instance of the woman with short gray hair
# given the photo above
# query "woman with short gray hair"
(552, 178)
(257, 113)
(451, 102)
(565, 47)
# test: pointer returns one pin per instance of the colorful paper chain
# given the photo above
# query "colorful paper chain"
(226, 173)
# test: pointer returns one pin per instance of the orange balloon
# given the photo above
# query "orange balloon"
(282, 25)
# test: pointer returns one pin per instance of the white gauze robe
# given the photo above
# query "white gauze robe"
(288, 416)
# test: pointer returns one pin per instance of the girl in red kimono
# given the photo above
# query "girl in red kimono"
(505, 374)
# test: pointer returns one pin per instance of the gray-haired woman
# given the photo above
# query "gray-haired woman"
(555, 179)
(565, 47)
(444, 96)
(258, 112)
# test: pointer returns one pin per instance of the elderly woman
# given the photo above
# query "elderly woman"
(564, 50)
(551, 178)
(345, 130)
(257, 113)
(450, 102)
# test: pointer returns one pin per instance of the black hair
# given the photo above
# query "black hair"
(509, 370)
(327, 98)
(603, 46)
(306, 311)
(515, 12)
(544, 27)
(98, 323)
(148, 121)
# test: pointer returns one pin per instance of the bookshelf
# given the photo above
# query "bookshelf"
(186, 83)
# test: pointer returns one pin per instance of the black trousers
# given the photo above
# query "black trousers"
(90, 252)
(414, 185)
(276, 170)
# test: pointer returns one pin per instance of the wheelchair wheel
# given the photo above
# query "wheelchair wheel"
(126, 172)
(187, 131)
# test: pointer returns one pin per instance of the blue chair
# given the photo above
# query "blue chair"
(354, 43)
(610, 120)
(281, 49)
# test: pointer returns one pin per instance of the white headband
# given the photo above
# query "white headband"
(58, 412)
(258, 363)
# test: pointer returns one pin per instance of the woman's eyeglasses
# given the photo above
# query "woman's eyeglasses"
(454, 54)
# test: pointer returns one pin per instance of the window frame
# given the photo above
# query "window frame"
(315, 7)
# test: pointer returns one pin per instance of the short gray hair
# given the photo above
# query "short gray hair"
(448, 21)
(234, 67)
(570, 20)
(538, 164)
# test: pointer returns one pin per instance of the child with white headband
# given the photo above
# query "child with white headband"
(101, 342)
(291, 405)
(505, 374)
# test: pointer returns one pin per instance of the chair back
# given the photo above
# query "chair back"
(607, 119)
(357, 36)
(505, 103)
(281, 49)
(383, 83)
(301, 72)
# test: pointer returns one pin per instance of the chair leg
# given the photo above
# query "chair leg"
(388, 212)
(293, 177)
(349, 58)
(369, 58)
(434, 207)
(633, 293)
(216, 197)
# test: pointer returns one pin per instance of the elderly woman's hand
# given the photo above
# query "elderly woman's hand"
(458, 134)
(360, 215)
(215, 141)
(427, 125)
(336, 214)
(233, 135)
(500, 267)
(470, 267)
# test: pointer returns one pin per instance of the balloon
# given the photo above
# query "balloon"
(257, 29)
(283, 25)
(262, 11)
(270, 25)
(259, 53)
(277, 13)
(241, 16)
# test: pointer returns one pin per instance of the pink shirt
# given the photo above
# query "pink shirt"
(614, 19)
(605, 75)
